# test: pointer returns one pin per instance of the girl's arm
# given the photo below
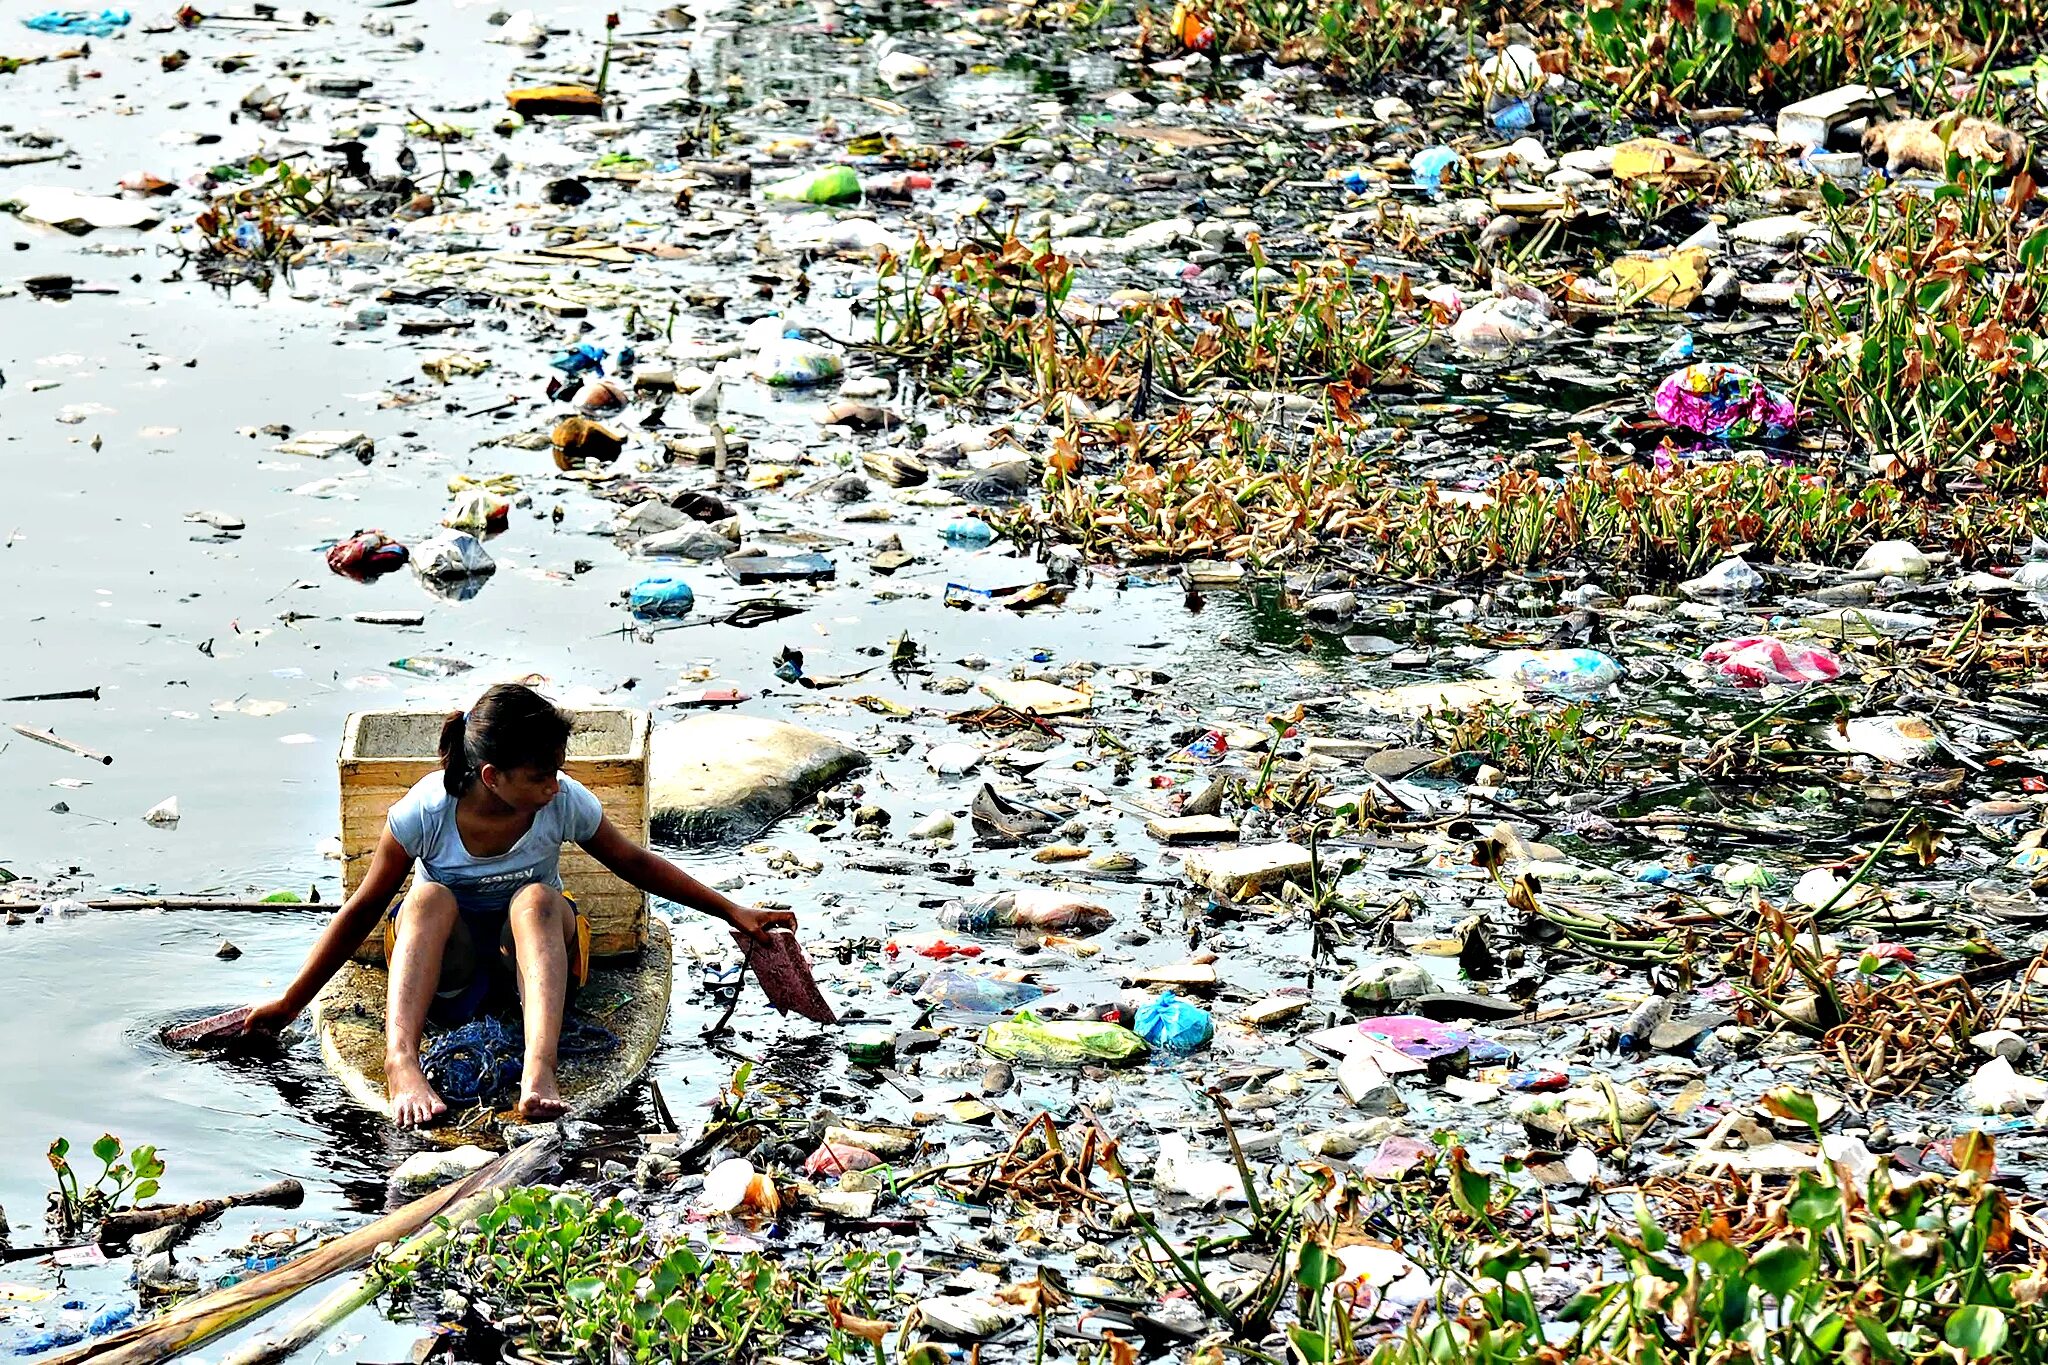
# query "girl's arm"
(344, 933)
(653, 873)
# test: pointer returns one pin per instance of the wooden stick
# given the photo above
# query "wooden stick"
(330, 1312)
(181, 903)
(119, 1227)
(201, 1319)
(45, 737)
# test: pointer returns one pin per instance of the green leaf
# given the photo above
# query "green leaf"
(1780, 1268)
(2033, 249)
(1723, 1258)
(1932, 292)
(1827, 1333)
(741, 1077)
(60, 1149)
(1605, 22)
(1790, 1102)
(1880, 1340)
(585, 1288)
(1717, 23)
(107, 1148)
(1471, 1191)
(258, 166)
(1314, 1267)
(146, 1190)
(1310, 1347)
(1833, 195)
(1977, 1330)
(1818, 1207)
(1655, 1239)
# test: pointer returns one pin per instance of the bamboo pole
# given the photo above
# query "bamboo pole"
(367, 1284)
(199, 1320)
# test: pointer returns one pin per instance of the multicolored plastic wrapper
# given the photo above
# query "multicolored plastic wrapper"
(1723, 400)
(1761, 660)
(366, 554)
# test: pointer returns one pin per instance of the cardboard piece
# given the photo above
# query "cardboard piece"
(785, 975)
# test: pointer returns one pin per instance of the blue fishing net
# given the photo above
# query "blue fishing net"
(482, 1059)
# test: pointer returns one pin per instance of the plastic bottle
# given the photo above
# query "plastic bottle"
(1643, 1021)
(871, 1047)
(792, 362)
(967, 533)
(955, 988)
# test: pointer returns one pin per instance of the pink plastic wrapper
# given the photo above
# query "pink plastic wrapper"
(1760, 660)
(1723, 400)
(837, 1158)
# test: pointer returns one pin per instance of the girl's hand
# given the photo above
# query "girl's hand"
(755, 924)
(271, 1019)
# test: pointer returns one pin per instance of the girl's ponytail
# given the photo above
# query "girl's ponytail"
(510, 726)
(456, 772)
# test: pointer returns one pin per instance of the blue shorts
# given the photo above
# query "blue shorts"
(474, 980)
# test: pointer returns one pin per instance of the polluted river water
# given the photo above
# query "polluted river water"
(158, 546)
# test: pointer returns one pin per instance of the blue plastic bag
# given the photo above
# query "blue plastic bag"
(968, 533)
(80, 23)
(1430, 165)
(581, 358)
(660, 597)
(1174, 1024)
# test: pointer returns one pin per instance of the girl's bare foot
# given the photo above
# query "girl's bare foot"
(538, 1097)
(414, 1103)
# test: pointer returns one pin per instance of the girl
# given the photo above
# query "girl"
(486, 919)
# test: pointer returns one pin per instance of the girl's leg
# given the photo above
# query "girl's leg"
(425, 921)
(543, 924)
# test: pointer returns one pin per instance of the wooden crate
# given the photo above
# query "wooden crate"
(383, 753)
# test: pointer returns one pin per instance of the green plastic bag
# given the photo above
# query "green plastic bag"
(827, 185)
(1024, 1037)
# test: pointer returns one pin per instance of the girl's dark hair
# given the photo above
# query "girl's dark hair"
(510, 726)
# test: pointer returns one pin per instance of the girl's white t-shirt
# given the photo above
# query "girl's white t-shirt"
(423, 822)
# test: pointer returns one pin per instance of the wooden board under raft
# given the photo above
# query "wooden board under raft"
(628, 995)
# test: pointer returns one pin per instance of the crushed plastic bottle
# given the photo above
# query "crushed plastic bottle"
(792, 362)
(1729, 578)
